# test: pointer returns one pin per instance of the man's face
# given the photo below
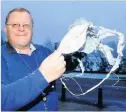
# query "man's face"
(19, 29)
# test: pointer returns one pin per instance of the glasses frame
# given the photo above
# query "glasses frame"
(17, 26)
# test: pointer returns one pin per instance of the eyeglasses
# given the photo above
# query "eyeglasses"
(17, 26)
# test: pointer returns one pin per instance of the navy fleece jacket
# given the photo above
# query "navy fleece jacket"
(20, 85)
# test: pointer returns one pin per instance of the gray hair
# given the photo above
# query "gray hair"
(18, 10)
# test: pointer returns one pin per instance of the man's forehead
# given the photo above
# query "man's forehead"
(19, 15)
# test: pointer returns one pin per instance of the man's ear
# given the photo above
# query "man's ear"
(5, 29)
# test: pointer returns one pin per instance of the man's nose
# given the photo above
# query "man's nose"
(21, 28)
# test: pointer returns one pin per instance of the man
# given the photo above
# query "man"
(27, 69)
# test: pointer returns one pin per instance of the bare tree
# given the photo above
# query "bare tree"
(48, 43)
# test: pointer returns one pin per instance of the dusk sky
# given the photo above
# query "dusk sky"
(52, 19)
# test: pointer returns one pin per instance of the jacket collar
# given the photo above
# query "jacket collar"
(11, 49)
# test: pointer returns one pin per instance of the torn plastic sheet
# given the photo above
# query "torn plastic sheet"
(85, 37)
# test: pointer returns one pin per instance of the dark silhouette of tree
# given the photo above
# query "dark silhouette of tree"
(104, 65)
(71, 60)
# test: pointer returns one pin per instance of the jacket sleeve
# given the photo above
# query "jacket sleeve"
(21, 92)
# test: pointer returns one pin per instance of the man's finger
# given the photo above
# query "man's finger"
(57, 54)
(61, 58)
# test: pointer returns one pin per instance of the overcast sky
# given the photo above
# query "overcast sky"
(52, 19)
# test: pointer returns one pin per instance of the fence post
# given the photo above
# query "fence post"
(63, 94)
(100, 98)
